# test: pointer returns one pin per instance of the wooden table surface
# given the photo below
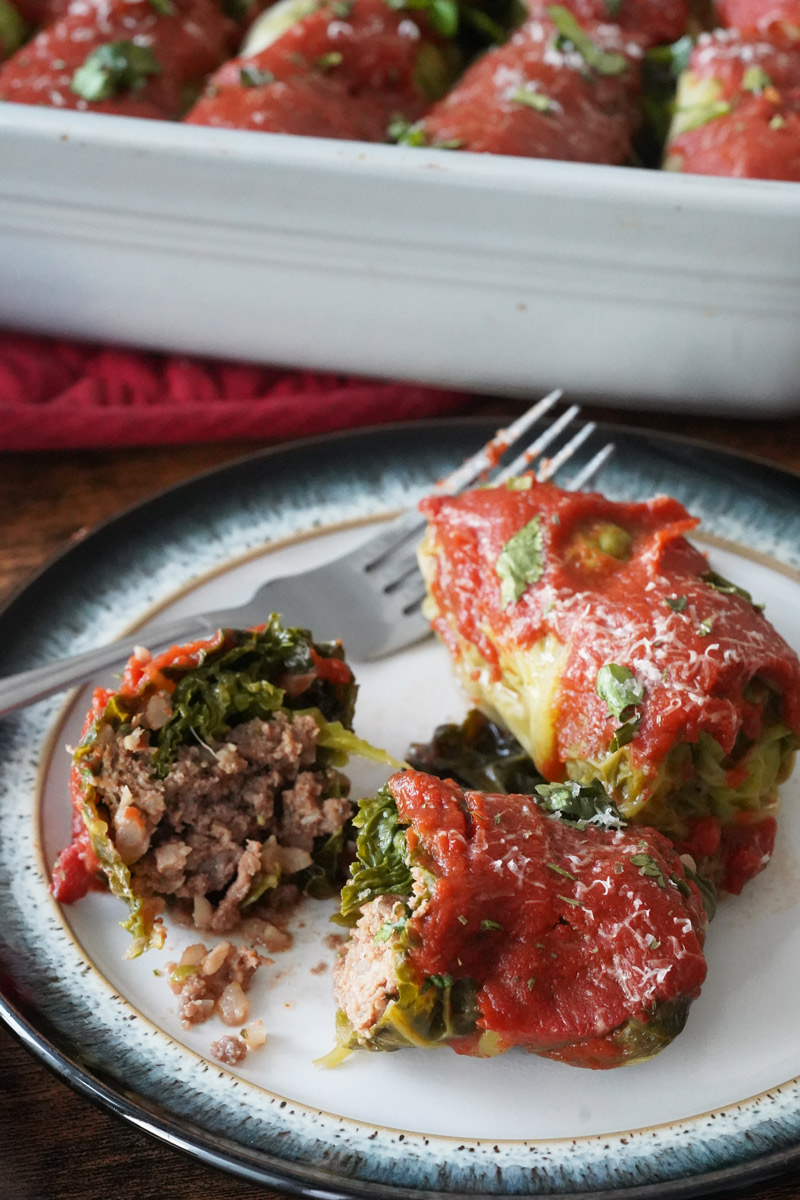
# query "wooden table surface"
(54, 1144)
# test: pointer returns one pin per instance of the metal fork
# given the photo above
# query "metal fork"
(371, 597)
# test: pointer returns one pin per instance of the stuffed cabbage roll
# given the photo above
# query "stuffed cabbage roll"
(210, 777)
(599, 636)
(485, 922)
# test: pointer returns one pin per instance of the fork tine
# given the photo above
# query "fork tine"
(588, 472)
(490, 454)
(554, 464)
(524, 460)
(406, 526)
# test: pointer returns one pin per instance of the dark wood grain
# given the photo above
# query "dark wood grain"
(54, 1144)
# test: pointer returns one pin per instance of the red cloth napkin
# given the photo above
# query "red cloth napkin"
(57, 395)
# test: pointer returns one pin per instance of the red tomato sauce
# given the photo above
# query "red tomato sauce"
(528, 98)
(311, 106)
(563, 933)
(187, 44)
(735, 853)
(141, 671)
(756, 132)
(344, 71)
(77, 870)
(745, 14)
(694, 664)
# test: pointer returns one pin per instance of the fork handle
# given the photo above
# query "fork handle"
(29, 686)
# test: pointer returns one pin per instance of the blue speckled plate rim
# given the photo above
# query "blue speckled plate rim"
(302, 1178)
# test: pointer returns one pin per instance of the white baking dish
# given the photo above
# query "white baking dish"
(481, 272)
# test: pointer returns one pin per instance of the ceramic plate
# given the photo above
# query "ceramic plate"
(721, 1104)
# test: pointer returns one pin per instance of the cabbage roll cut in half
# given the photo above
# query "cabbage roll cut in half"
(485, 922)
(210, 778)
(600, 637)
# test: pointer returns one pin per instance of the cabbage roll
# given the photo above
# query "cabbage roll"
(484, 922)
(600, 637)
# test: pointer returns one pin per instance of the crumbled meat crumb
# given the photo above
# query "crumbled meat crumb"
(333, 941)
(259, 932)
(229, 1050)
(319, 969)
(209, 981)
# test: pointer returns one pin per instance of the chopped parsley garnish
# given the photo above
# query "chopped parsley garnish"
(572, 36)
(623, 693)
(531, 983)
(648, 866)
(326, 62)
(112, 68)
(498, 818)
(777, 122)
(560, 870)
(255, 77)
(620, 689)
(520, 562)
(705, 627)
(402, 132)
(653, 944)
(531, 99)
(342, 8)
(487, 923)
(165, 7)
(571, 901)
(676, 603)
(387, 929)
(720, 584)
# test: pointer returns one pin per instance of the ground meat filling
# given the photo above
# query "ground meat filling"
(229, 1050)
(214, 982)
(226, 817)
(364, 978)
